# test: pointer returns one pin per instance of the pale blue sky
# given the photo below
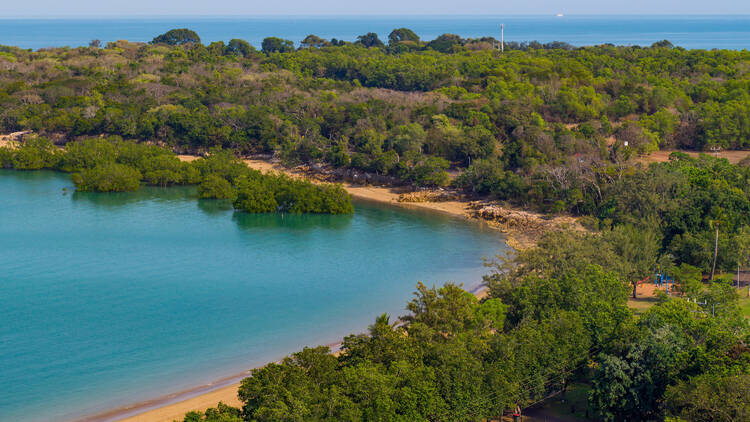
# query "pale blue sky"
(47, 8)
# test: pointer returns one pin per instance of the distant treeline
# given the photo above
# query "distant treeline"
(548, 127)
(114, 165)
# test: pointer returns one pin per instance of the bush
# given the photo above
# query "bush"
(108, 177)
(35, 154)
(215, 187)
(253, 197)
(6, 157)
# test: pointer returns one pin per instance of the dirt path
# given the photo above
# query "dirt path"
(734, 157)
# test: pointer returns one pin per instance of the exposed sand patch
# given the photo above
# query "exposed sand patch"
(177, 411)
(662, 156)
(372, 193)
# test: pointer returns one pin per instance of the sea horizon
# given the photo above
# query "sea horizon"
(692, 31)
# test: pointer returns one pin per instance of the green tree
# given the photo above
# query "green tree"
(446, 43)
(638, 249)
(370, 39)
(108, 177)
(254, 197)
(711, 397)
(216, 187)
(177, 37)
(277, 45)
(402, 34)
(240, 47)
(314, 41)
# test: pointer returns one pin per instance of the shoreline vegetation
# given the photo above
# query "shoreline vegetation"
(549, 129)
(113, 165)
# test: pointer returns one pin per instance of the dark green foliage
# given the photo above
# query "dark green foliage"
(720, 397)
(6, 157)
(314, 41)
(553, 316)
(370, 39)
(108, 177)
(445, 43)
(402, 35)
(264, 193)
(221, 413)
(277, 45)
(35, 154)
(673, 342)
(240, 47)
(110, 164)
(216, 187)
(254, 196)
(177, 37)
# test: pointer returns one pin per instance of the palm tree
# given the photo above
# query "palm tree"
(717, 221)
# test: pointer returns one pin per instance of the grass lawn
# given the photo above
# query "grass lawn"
(641, 304)
(744, 302)
(568, 408)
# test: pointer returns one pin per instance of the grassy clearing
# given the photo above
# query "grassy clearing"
(568, 407)
(642, 304)
(744, 302)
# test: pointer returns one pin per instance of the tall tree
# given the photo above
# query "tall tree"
(402, 34)
(370, 39)
(177, 37)
(277, 45)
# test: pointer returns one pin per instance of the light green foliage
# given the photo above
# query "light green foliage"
(638, 249)
(36, 153)
(689, 280)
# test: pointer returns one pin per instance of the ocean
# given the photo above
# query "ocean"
(690, 31)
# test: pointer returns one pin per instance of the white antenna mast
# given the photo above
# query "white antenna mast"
(502, 38)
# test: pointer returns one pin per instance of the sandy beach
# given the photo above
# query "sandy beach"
(174, 406)
(372, 193)
(176, 411)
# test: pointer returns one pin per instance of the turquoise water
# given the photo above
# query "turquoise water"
(110, 299)
(713, 31)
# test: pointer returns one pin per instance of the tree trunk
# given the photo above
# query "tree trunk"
(716, 253)
(635, 286)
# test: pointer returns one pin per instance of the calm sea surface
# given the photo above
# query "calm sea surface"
(714, 31)
(110, 299)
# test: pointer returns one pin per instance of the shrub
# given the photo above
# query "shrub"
(108, 177)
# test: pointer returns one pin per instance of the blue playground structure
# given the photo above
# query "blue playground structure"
(661, 279)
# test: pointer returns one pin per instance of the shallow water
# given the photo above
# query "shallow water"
(689, 31)
(110, 299)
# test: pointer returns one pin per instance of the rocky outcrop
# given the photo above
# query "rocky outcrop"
(525, 227)
(439, 195)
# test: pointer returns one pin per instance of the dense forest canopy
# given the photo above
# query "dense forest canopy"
(545, 126)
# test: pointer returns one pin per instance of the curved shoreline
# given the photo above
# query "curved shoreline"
(174, 406)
